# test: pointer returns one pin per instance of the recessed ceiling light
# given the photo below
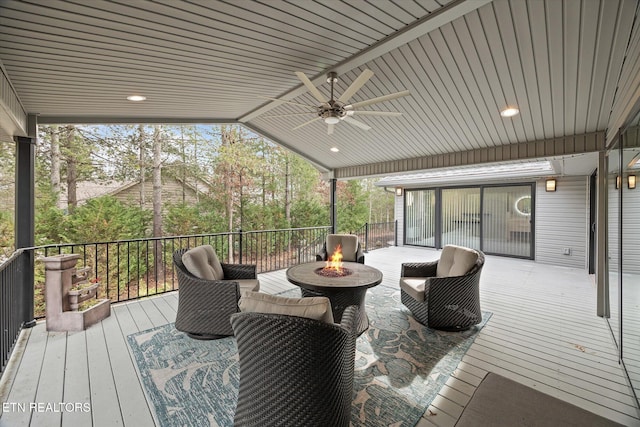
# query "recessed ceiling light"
(334, 149)
(136, 98)
(509, 112)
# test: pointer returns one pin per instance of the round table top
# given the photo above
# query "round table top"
(363, 276)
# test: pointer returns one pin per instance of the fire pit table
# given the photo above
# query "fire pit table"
(343, 289)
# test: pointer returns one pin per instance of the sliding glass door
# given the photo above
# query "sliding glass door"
(495, 219)
(420, 214)
(507, 222)
(461, 217)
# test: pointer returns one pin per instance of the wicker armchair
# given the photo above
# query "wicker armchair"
(294, 371)
(351, 248)
(448, 302)
(205, 306)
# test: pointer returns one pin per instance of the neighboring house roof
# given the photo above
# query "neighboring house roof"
(87, 190)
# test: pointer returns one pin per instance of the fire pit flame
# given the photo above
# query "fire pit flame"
(335, 260)
(334, 266)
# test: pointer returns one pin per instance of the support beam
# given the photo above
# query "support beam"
(25, 214)
(333, 205)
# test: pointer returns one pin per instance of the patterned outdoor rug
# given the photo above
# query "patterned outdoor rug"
(400, 367)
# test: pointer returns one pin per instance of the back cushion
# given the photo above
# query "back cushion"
(456, 261)
(349, 244)
(203, 263)
(317, 308)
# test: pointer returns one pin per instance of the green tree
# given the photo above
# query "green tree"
(352, 206)
(50, 221)
(107, 219)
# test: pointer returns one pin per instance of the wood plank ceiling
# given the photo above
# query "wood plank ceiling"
(210, 61)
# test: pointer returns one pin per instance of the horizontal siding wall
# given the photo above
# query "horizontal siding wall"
(561, 222)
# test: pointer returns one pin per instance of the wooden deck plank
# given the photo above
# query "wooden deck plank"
(156, 317)
(76, 381)
(133, 403)
(25, 385)
(140, 317)
(460, 386)
(51, 383)
(105, 406)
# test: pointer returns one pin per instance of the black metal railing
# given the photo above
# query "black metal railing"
(377, 235)
(11, 308)
(131, 269)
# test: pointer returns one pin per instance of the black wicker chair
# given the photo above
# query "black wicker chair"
(294, 371)
(324, 254)
(205, 306)
(447, 303)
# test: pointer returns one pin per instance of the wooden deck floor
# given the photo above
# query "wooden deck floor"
(543, 333)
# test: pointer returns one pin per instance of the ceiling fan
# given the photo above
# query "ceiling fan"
(332, 111)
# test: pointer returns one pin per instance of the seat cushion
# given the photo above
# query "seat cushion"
(456, 261)
(414, 286)
(248, 285)
(317, 308)
(348, 242)
(203, 263)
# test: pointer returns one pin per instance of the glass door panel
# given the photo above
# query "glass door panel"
(420, 214)
(507, 220)
(630, 270)
(613, 245)
(461, 217)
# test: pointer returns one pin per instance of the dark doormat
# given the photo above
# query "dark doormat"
(499, 401)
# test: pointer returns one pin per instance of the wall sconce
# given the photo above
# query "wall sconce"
(617, 182)
(399, 191)
(550, 185)
(631, 182)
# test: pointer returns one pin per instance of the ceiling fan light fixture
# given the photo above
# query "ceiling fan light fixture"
(331, 120)
(509, 112)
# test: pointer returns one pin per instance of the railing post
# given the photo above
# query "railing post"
(24, 218)
(366, 237)
(240, 246)
(395, 232)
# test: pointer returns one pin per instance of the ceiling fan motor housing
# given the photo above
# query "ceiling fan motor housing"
(332, 109)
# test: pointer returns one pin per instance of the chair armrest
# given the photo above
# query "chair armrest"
(202, 304)
(419, 269)
(453, 300)
(350, 319)
(359, 254)
(239, 271)
(322, 255)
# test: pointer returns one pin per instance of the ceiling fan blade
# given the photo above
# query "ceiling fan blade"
(357, 84)
(356, 123)
(312, 89)
(306, 123)
(288, 102)
(330, 129)
(378, 99)
(373, 113)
